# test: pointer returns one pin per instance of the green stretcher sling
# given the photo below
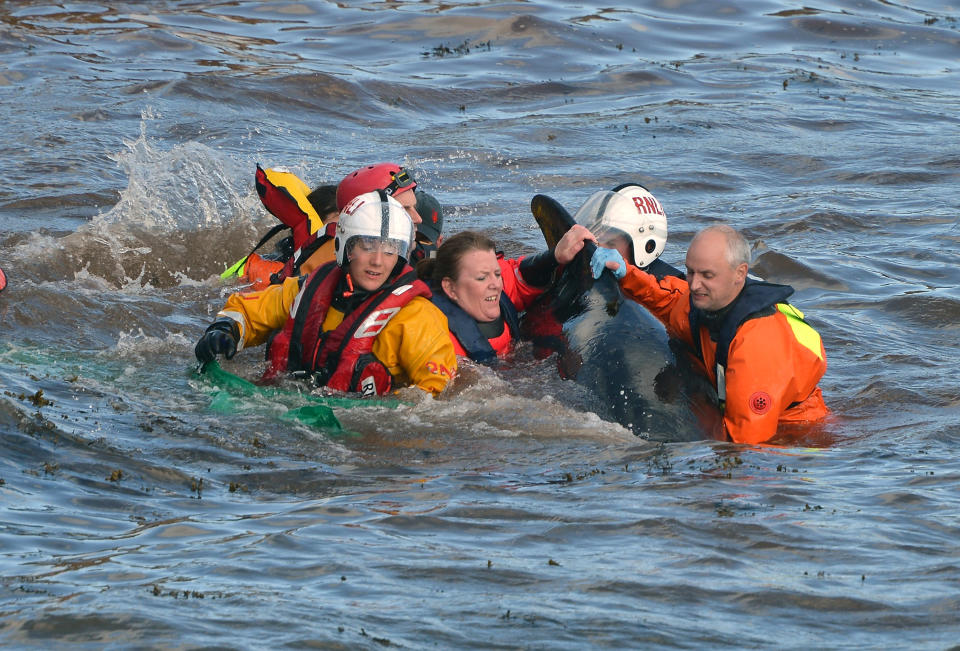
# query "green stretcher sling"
(317, 412)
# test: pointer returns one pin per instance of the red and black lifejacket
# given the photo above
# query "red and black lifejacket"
(307, 233)
(340, 358)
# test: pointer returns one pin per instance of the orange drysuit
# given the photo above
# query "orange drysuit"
(774, 359)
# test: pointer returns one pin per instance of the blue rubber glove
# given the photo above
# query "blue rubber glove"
(600, 259)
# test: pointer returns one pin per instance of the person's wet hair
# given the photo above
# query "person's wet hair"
(447, 262)
(324, 200)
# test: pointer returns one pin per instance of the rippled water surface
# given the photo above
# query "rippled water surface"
(144, 506)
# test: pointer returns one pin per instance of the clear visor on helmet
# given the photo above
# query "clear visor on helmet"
(596, 211)
(598, 214)
(370, 245)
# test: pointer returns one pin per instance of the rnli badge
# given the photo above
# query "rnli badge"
(368, 387)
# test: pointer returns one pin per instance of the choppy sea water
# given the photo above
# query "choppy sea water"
(142, 507)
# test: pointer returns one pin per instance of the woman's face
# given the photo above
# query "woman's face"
(478, 286)
(371, 261)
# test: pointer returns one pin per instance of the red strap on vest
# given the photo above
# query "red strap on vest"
(338, 351)
(286, 352)
(342, 357)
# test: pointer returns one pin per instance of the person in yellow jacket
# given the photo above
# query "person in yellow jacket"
(763, 358)
(361, 323)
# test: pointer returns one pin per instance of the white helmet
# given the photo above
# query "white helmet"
(627, 210)
(377, 216)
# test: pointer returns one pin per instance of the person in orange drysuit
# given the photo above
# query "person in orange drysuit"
(763, 358)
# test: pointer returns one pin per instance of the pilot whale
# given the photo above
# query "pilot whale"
(617, 349)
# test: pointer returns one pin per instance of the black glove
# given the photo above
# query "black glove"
(537, 270)
(220, 338)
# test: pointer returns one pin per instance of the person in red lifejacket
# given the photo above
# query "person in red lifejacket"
(361, 323)
(762, 357)
(305, 212)
(313, 216)
(482, 293)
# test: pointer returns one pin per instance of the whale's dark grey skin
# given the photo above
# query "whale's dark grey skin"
(618, 350)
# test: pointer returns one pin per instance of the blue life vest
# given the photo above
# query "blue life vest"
(465, 327)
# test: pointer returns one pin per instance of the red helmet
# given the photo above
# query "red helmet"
(389, 177)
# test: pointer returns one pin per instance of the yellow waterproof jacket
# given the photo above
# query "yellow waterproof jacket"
(414, 345)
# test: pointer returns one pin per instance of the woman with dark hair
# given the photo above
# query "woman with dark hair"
(481, 292)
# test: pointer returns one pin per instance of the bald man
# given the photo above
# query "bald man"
(763, 358)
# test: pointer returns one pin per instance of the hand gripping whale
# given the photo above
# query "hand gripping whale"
(618, 350)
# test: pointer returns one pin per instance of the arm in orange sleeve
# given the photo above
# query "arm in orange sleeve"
(260, 313)
(757, 379)
(668, 299)
(517, 290)
(415, 346)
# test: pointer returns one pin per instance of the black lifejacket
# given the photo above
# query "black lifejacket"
(465, 327)
(340, 358)
(757, 298)
(660, 270)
